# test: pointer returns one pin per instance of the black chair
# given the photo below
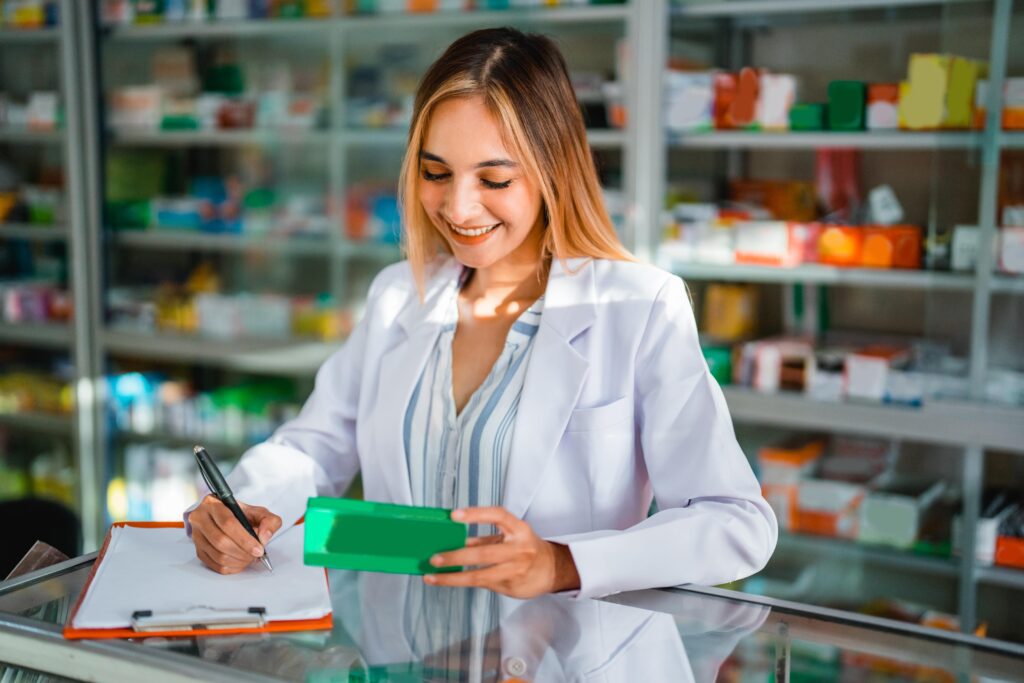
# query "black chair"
(28, 520)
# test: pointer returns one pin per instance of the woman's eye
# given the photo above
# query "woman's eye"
(434, 177)
(490, 184)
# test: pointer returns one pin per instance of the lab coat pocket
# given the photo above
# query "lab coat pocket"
(601, 417)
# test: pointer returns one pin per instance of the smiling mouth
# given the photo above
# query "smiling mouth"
(472, 232)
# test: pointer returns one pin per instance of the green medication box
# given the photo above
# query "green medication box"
(342, 533)
(807, 117)
(846, 102)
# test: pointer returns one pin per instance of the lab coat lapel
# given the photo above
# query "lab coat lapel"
(554, 378)
(400, 371)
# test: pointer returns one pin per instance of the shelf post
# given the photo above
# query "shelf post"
(644, 153)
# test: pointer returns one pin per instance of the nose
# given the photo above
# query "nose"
(462, 203)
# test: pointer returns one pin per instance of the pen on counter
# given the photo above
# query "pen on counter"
(219, 487)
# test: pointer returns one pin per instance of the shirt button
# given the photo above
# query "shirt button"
(514, 666)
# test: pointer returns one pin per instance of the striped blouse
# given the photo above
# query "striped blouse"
(459, 460)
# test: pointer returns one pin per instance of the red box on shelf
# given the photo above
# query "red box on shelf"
(1010, 551)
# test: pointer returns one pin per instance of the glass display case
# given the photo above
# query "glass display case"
(390, 627)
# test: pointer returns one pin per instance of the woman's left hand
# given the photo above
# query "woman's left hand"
(515, 562)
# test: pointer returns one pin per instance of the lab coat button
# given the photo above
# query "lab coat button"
(514, 666)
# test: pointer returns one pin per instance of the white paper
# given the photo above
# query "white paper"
(157, 569)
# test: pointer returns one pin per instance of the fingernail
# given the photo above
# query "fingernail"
(436, 560)
(429, 579)
(257, 551)
(458, 514)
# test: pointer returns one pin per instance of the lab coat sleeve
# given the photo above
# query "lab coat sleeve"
(314, 453)
(713, 525)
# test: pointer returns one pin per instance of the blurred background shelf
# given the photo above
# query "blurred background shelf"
(937, 422)
(892, 557)
(46, 34)
(160, 239)
(384, 137)
(38, 422)
(297, 357)
(1002, 576)
(824, 275)
(28, 137)
(740, 8)
(50, 335)
(228, 138)
(38, 233)
(903, 140)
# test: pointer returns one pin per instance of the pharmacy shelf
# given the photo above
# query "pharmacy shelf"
(545, 15)
(219, 448)
(292, 357)
(1012, 140)
(51, 335)
(29, 137)
(219, 138)
(599, 138)
(48, 34)
(874, 554)
(36, 233)
(825, 275)
(38, 422)
(184, 240)
(1006, 577)
(896, 140)
(379, 22)
(220, 29)
(939, 422)
(744, 8)
(1007, 284)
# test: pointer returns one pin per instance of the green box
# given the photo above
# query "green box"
(342, 533)
(807, 117)
(846, 102)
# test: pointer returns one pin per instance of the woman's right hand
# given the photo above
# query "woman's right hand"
(222, 544)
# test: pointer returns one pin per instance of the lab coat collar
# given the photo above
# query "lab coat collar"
(551, 388)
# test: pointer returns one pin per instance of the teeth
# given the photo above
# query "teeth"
(473, 233)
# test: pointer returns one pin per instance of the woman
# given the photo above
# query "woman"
(520, 367)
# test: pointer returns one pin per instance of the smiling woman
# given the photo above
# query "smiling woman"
(521, 369)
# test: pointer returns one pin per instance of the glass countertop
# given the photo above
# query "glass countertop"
(394, 629)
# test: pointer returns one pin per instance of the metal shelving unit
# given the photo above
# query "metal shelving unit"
(73, 337)
(890, 557)
(973, 426)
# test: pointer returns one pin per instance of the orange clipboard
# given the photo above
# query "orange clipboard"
(324, 623)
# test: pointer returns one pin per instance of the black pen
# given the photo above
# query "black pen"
(219, 487)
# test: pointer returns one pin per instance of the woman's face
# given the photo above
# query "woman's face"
(477, 195)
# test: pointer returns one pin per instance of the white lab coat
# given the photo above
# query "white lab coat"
(618, 406)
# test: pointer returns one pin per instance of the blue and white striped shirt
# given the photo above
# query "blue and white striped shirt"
(459, 460)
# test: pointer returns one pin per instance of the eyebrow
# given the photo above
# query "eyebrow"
(490, 163)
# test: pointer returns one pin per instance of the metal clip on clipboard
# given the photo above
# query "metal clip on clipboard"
(199, 619)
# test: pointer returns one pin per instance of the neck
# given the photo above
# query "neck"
(520, 275)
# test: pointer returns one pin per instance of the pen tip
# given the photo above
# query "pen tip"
(197, 449)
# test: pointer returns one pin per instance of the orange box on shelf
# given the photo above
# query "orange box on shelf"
(828, 508)
(1010, 551)
(786, 200)
(782, 467)
(841, 245)
(891, 246)
(725, 93)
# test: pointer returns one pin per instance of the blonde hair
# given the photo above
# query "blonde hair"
(524, 83)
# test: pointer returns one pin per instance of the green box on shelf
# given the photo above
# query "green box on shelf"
(341, 533)
(807, 117)
(846, 102)
(719, 360)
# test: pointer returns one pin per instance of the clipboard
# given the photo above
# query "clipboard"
(147, 624)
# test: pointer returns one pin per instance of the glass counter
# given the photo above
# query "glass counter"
(393, 628)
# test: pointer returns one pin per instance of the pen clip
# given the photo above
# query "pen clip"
(206, 477)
